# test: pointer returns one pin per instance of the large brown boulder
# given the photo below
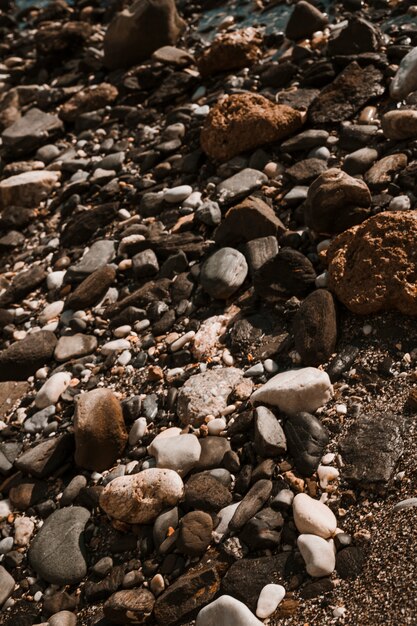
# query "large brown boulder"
(139, 30)
(246, 121)
(373, 267)
(230, 51)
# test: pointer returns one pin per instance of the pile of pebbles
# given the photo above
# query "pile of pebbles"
(208, 281)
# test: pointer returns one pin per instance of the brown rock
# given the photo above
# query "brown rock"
(304, 21)
(61, 37)
(10, 393)
(315, 328)
(24, 357)
(400, 124)
(383, 171)
(230, 51)
(46, 457)
(99, 428)
(139, 30)
(372, 267)
(27, 189)
(335, 202)
(243, 122)
(27, 493)
(130, 606)
(88, 99)
(195, 533)
(92, 289)
(248, 220)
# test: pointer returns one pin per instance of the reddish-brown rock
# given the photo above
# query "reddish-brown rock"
(88, 99)
(248, 220)
(230, 51)
(246, 121)
(373, 267)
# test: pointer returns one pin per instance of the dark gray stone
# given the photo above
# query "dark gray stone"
(290, 273)
(31, 131)
(269, 436)
(253, 501)
(315, 328)
(306, 441)
(240, 185)
(223, 273)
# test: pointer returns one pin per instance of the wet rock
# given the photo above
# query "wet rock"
(383, 435)
(46, 457)
(306, 140)
(230, 51)
(145, 264)
(24, 357)
(224, 611)
(246, 221)
(195, 533)
(139, 498)
(57, 553)
(88, 99)
(367, 281)
(336, 201)
(269, 437)
(290, 273)
(99, 429)
(205, 492)
(315, 328)
(405, 81)
(92, 289)
(400, 124)
(27, 189)
(305, 20)
(358, 36)
(141, 29)
(130, 606)
(223, 273)
(384, 170)
(244, 122)
(31, 131)
(306, 440)
(350, 91)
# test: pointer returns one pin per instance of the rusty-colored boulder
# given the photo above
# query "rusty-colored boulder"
(230, 51)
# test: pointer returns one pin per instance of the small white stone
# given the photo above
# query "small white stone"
(341, 409)
(5, 508)
(50, 311)
(115, 346)
(339, 611)
(122, 331)
(6, 545)
(182, 341)
(400, 203)
(269, 599)
(226, 611)
(193, 201)
(54, 280)
(216, 426)
(313, 517)
(224, 515)
(328, 458)
(327, 474)
(51, 390)
(270, 366)
(367, 329)
(157, 584)
(175, 195)
(41, 373)
(322, 280)
(318, 555)
(179, 453)
(23, 529)
(227, 358)
(403, 504)
(137, 431)
(125, 358)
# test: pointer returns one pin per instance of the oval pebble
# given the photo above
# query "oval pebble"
(269, 599)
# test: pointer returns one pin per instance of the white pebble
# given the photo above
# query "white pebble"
(270, 366)
(367, 329)
(54, 280)
(193, 201)
(122, 331)
(138, 430)
(182, 341)
(318, 555)
(115, 346)
(216, 426)
(341, 409)
(322, 280)
(269, 599)
(328, 458)
(51, 390)
(125, 357)
(227, 358)
(400, 203)
(339, 611)
(157, 584)
(313, 517)
(175, 195)
(327, 474)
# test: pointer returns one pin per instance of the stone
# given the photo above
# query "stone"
(92, 289)
(405, 81)
(88, 99)
(10, 393)
(23, 283)
(294, 391)
(371, 266)
(269, 437)
(357, 37)
(83, 225)
(313, 517)
(225, 611)
(7, 584)
(230, 51)
(99, 430)
(307, 439)
(139, 498)
(248, 220)
(145, 264)
(135, 33)
(206, 394)
(214, 452)
(253, 501)
(173, 56)
(27, 189)
(289, 273)
(223, 273)
(349, 562)
(359, 161)
(305, 171)
(383, 435)
(348, 93)
(383, 171)
(179, 453)
(269, 599)
(305, 140)
(205, 492)
(57, 553)
(46, 457)
(263, 530)
(30, 131)
(315, 328)
(63, 618)
(130, 606)
(304, 20)
(177, 195)
(73, 489)
(209, 213)
(73, 346)
(97, 256)
(51, 390)
(240, 185)
(242, 122)
(260, 251)
(318, 555)
(195, 533)
(335, 202)
(400, 124)
(405, 504)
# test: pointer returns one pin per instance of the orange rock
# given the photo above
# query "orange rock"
(230, 51)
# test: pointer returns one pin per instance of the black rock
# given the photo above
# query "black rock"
(315, 328)
(306, 441)
(205, 492)
(304, 21)
(22, 285)
(253, 501)
(342, 362)
(358, 36)
(349, 562)
(269, 437)
(290, 273)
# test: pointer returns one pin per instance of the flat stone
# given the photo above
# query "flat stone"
(306, 140)
(240, 185)
(23, 284)
(179, 453)
(223, 273)
(214, 450)
(27, 189)
(313, 517)
(92, 289)
(253, 501)
(99, 255)
(7, 584)
(315, 328)
(24, 357)
(57, 553)
(260, 251)
(195, 533)
(32, 130)
(205, 492)
(225, 611)
(359, 161)
(46, 457)
(130, 606)
(269, 599)
(248, 220)
(73, 346)
(269, 437)
(383, 171)
(318, 555)
(306, 440)
(306, 170)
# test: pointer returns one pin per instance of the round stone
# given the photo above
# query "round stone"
(318, 555)
(195, 533)
(313, 517)
(269, 599)
(223, 273)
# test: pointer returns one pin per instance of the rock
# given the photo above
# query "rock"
(367, 281)
(73, 489)
(230, 51)
(179, 453)
(305, 171)
(383, 435)
(176, 195)
(240, 185)
(383, 171)
(23, 283)
(51, 390)
(350, 91)
(349, 562)
(315, 328)
(63, 618)
(246, 221)
(269, 599)
(313, 517)
(359, 161)
(145, 264)
(205, 492)
(130, 606)
(400, 124)
(253, 501)
(405, 81)
(214, 452)
(225, 611)
(304, 20)
(82, 226)
(10, 394)
(357, 37)
(306, 440)
(7, 584)
(269, 437)
(335, 202)
(57, 553)
(242, 122)
(294, 391)
(92, 289)
(139, 30)
(263, 530)
(173, 56)
(206, 394)
(289, 273)
(318, 555)
(260, 251)
(99, 429)
(73, 346)
(209, 213)
(98, 256)
(24, 357)
(30, 131)
(139, 498)
(27, 189)
(195, 533)
(305, 140)
(88, 99)
(46, 457)
(223, 273)
(405, 504)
